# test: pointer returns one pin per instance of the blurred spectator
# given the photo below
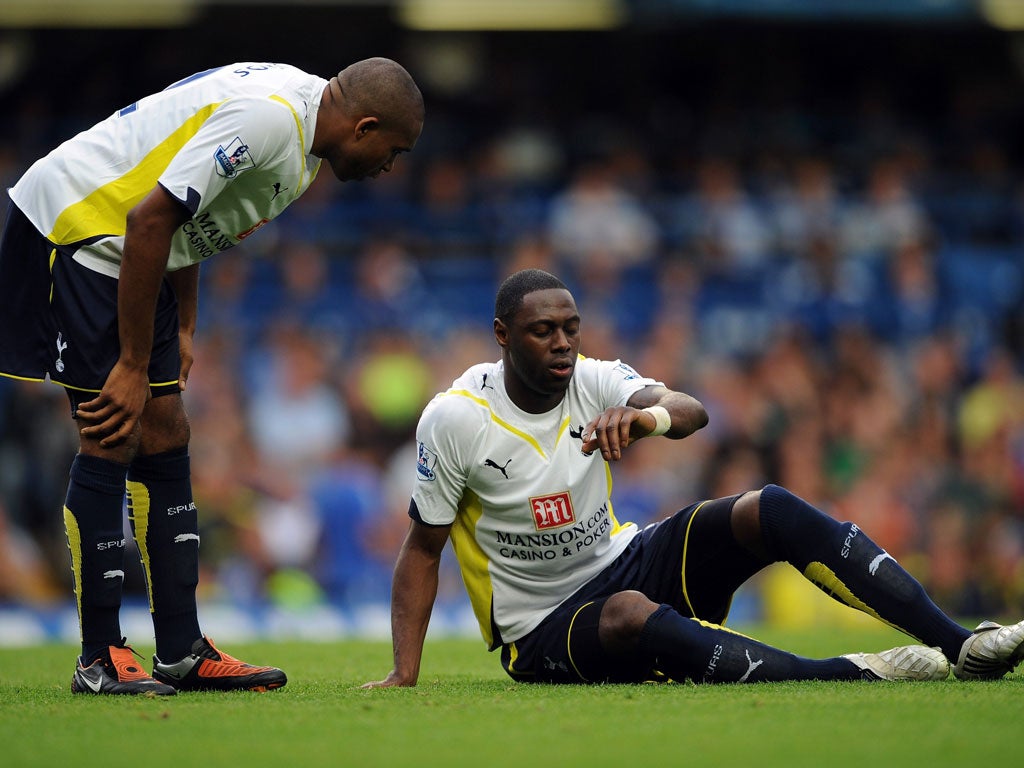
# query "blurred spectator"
(37, 443)
(307, 290)
(727, 230)
(918, 304)
(450, 221)
(808, 209)
(886, 216)
(598, 229)
(24, 574)
(991, 430)
(389, 294)
(298, 420)
(387, 389)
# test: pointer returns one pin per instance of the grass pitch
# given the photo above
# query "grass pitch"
(467, 712)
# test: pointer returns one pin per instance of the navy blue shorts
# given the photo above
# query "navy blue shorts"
(690, 561)
(58, 319)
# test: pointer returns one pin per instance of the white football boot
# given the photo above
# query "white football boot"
(908, 662)
(991, 652)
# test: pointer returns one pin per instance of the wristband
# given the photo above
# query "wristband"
(662, 420)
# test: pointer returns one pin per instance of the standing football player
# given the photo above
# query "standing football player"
(99, 270)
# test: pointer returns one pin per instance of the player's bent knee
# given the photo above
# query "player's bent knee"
(165, 425)
(622, 620)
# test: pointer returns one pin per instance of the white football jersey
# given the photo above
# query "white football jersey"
(232, 144)
(532, 514)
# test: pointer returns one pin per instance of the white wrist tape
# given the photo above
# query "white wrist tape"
(662, 420)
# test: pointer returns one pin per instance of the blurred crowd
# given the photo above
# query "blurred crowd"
(845, 297)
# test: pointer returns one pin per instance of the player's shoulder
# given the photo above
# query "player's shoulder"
(467, 402)
(592, 368)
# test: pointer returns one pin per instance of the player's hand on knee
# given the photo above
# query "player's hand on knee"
(112, 417)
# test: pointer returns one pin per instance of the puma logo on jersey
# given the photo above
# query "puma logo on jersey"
(500, 468)
(278, 189)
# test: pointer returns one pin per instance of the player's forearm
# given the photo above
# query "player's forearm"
(686, 414)
(147, 244)
(413, 592)
(136, 306)
(185, 283)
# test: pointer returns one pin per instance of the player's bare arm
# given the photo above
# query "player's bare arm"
(185, 283)
(413, 591)
(613, 430)
(112, 417)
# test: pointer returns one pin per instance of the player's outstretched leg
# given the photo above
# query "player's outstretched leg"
(990, 652)
(207, 668)
(689, 649)
(846, 564)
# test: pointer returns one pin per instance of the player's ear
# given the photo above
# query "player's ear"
(500, 332)
(367, 125)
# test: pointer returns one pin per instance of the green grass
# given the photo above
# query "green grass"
(466, 712)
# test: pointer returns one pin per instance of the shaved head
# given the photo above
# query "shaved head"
(381, 88)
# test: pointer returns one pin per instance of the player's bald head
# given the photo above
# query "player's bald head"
(381, 88)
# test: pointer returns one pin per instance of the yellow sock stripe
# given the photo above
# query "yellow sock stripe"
(722, 627)
(568, 641)
(102, 212)
(75, 546)
(660, 676)
(138, 512)
(823, 577)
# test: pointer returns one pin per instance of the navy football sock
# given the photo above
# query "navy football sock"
(689, 649)
(94, 523)
(166, 528)
(847, 565)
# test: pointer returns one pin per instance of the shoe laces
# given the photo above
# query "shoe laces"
(207, 650)
(123, 663)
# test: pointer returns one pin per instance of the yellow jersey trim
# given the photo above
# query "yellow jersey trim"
(501, 422)
(103, 212)
(302, 144)
(473, 563)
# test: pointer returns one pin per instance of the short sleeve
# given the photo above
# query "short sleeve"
(241, 135)
(444, 437)
(615, 380)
